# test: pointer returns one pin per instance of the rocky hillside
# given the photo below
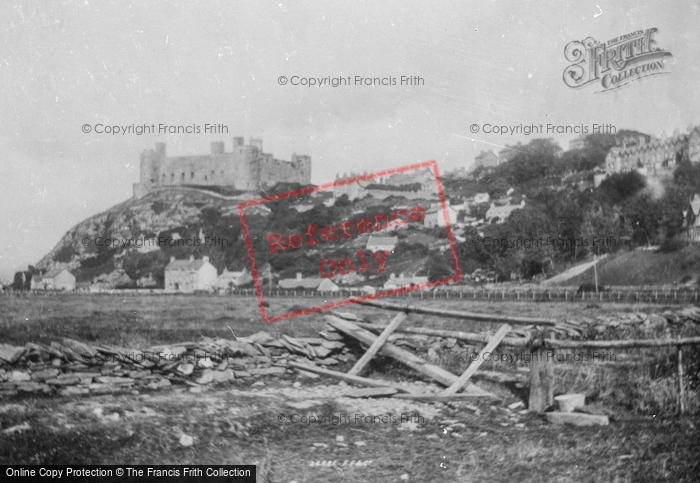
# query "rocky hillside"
(89, 248)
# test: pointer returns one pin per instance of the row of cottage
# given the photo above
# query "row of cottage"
(191, 275)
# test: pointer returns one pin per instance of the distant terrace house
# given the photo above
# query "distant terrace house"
(380, 243)
(486, 159)
(691, 220)
(499, 214)
(55, 279)
(190, 275)
(318, 284)
(233, 279)
(435, 216)
(395, 282)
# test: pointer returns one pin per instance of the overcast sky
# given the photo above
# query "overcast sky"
(65, 64)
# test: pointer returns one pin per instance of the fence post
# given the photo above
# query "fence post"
(541, 378)
(681, 386)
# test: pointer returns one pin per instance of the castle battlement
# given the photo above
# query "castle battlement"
(246, 167)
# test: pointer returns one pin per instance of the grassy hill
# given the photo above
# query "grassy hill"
(644, 267)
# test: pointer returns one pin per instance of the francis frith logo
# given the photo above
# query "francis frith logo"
(615, 63)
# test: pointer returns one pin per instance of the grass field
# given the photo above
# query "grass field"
(240, 424)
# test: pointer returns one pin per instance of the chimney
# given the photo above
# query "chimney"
(238, 142)
(205, 258)
(298, 275)
(191, 258)
(172, 259)
(160, 149)
(217, 147)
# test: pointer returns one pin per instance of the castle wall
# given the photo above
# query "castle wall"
(245, 168)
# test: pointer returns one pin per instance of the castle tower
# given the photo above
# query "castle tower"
(150, 162)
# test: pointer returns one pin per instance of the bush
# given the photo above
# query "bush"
(671, 245)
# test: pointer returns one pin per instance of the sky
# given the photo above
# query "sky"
(64, 64)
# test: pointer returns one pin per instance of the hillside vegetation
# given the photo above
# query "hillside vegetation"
(565, 221)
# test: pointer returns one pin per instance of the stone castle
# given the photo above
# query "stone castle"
(245, 168)
(654, 158)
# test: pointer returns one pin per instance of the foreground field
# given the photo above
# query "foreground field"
(239, 423)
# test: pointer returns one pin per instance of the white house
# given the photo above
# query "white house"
(233, 279)
(55, 279)
(481, 198)
(190, 275)
(500, 214)
(435, 216)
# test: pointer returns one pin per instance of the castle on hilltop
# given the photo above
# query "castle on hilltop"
(654, 158)
(245, 168)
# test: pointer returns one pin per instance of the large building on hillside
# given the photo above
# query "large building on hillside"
(654, 158)
(486, 159)
(246, 168)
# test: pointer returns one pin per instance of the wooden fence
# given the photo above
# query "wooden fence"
(539, 295)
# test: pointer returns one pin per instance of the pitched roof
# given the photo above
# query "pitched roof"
(310, 283)
(382, 240)
(53, 272)
(185, 265)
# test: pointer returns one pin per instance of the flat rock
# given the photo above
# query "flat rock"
(185, 369)
(235, 348)
(74, 391)
(266, 371)
(139, 374)
(115, 380)
(18, 376)
(206, 377)
(322, 352)
(261, 337)
(63, 381)
(332, 345)
(32, 387)
(241, 374)
(224, 376)
(577, 419)
(45, 374)
(10, 353)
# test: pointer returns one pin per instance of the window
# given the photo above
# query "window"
(191, 174)
(182, 176)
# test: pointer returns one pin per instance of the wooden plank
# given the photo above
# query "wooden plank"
(457, 314)
(372, 392)
(440, 398)
(377, 344)
(493, 343)
(436, 373)
(459, 335)
(619, 344)
(357, 380)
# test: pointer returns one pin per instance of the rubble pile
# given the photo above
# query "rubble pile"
(70, 367)
(73, 368)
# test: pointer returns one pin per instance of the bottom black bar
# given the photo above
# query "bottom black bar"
(135, 473)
